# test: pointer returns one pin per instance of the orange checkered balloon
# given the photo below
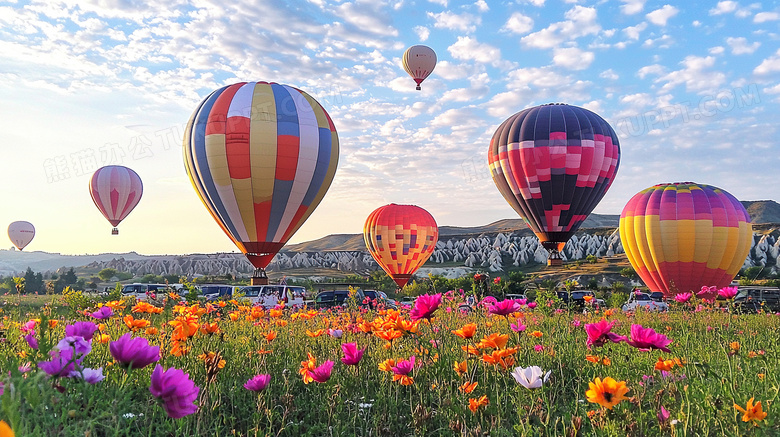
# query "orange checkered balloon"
(400, 238)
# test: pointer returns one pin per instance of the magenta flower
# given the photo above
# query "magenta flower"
(322, 372)
(404, 367)
(504, 308)
(532, 305)
(707, 292)
(599, 333)
(646, 339)
(134, 353)
(517, 326)
(683, 297)
(728, 292)
(31, 340)
(258, 383)
(28, 327)
(61, 363)
(78, 345)
(424, 306)
(538, 348)
(176, 390)
(352, 355)
(663, 415)
(81, 329)
(576, 323)
(103, 313)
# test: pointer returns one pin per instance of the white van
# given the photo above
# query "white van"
(144, 291)
(271, 295)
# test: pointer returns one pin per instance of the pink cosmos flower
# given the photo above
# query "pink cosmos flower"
(31, 340)
(91, 376)
(599, 333)
(81, 329)
(404, 367)
(134, 353)
(683, 297)
(176, 390)
(576, 323)
(26, 367)
(538, 348)
(322, 372)
(79, 346)
(424, 306)
(504, 308)
(61, 363)
(258, 383)
(28, 327)
(728, 292)
(646, 339)
(352, 355)
(517, 326)
(103, 313)
(707, 292)
(663, 415)
(532, 305)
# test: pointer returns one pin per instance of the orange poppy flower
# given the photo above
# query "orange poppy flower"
(404, 379)
(389, 335)
(222, 304)
(179, 348)
(606, 393)
(275, 312)
(209, 328)
(461, 368)
(664, 365)
(263, 352)
(467, 331)
(134, 324)
(281, 323)
(102, 338)
(537, 334)
(53, 323)
(471, 350)
(474, 404)
(152, 331)
(387, 365)
(270, 336)
(468, 387)
(609, 312)
(493, 341)
(184, 327)
(233, 315)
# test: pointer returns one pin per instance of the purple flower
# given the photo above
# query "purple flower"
(322, 373)
(81, 329)
(404, 367)
(176, 390)
(91, 376)
(728, 292)
(258, 383)
(683, 297)
(352, 355)
(663, 415)
(61, 363)
(134, 353)
(517, 326)
(103, 313)
(646, 339)
(78, 345)
(424, 306)
(31, 340)
(335, 333)
(504, 308)
(599, 333)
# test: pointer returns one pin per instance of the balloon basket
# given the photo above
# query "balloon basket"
(115, 231)
(418, 88)
(256, 280)
(554, 259)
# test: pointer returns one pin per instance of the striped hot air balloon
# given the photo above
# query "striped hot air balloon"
(553, 164)
(261, 156)
(116, 190)
(683, 236)
(400, 238)
(419, 62)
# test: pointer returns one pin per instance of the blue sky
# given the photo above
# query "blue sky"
(692, 88)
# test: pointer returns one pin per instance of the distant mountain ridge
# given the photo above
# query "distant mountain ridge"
(762, 211)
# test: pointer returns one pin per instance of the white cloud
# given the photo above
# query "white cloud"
(724, 7)
(647, 70)
(467, 48)
(519, 23)
(449, 71)
(740, 46)
(695, 75)
(482, 6)
(461, 22)
(422, 32)
(717, 50)
(633, 31)
(609, 75)
(580, 21)
(538, 3)
(439, 2)
(659, 17)
(769, 65)
(368, 17)
(631, 7)
(763, 17)
(572, 58)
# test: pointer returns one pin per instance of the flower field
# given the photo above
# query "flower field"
(136, 368)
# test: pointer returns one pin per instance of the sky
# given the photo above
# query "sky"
(691, 88)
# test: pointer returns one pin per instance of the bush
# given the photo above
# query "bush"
(617, 299)
(76, 299)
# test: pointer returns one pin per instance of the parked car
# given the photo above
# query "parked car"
(271, 295)
(752, 299)
(216, 291)
(577, 298)
(658, 296)
(378, 299)
(143, 291)
(515, 297)
(334, 298)
(645, 301)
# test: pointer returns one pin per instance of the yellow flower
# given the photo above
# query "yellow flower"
(751, 412)
(734, 345)
(606, 393)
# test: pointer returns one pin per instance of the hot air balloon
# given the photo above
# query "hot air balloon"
(553, 164)
(419, 62)
(116, 190)
(261, 157)
(400, 238)
(21, 233)
(682, 236)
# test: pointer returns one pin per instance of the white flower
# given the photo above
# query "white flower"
(530, 377)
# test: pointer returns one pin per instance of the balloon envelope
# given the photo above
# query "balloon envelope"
(116, 190)
(419, 62)
(553, 164)
(400, 238)
(682, 236)
(21, 233)
(261, 157)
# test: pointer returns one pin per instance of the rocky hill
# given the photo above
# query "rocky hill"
(763, 211)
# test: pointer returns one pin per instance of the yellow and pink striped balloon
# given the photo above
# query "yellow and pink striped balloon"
(680, 237)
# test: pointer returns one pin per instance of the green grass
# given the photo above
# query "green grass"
(365, 401)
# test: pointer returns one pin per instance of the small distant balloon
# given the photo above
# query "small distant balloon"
(116, 190)
(400, 238)
(419, 62)
(21, 233)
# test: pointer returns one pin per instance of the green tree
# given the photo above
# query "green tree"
(755, 272)
(106, 274)
(33, 281)
(69, 278)
(548, 284)
(628, 273)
